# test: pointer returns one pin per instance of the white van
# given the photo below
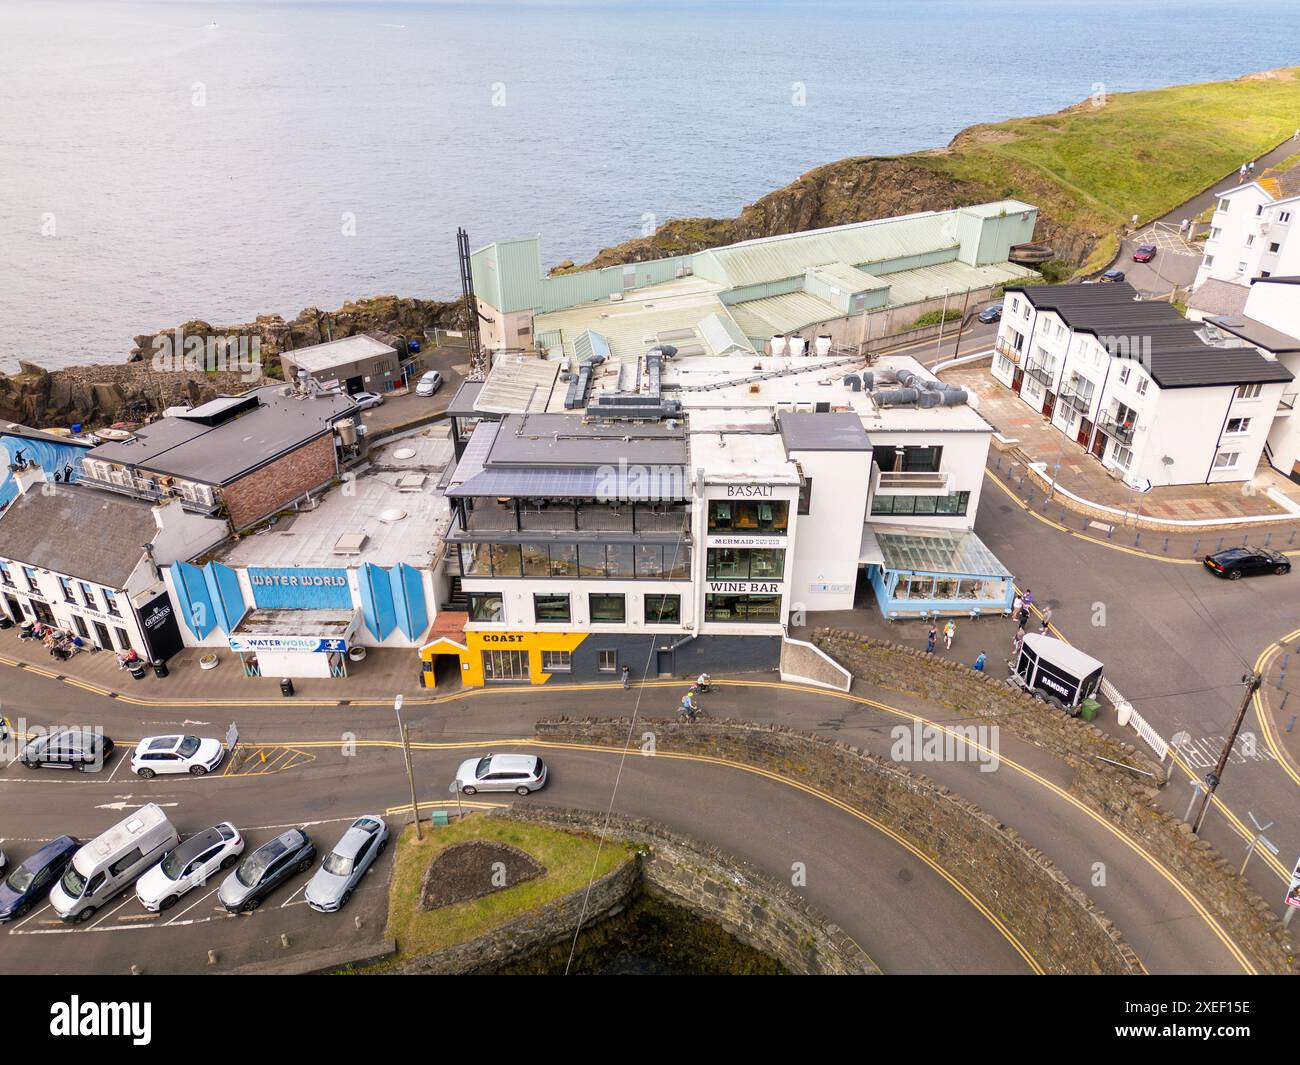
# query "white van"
(110, 863)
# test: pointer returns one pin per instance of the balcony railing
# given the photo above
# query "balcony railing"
(1007, 350)
(1113, 427)
(910, 482)
(1040, 371)
(139, 488)
(1076, 400)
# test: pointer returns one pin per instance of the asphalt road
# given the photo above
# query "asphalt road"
(1176, 641)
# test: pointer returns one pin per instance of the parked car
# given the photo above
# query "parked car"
(366, 400)
(1145, 253)
(266, 869)
(1237, 562)
(32, 878)
(189, 866)
(520, 773)
(176, 754)
(1113, 275)
(429, 383)
(346, 864)
(109, 863)
(69, 748)
(991, 314)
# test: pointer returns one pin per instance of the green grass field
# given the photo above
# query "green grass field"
(568, 860)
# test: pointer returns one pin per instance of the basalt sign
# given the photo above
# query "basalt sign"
(749, 491)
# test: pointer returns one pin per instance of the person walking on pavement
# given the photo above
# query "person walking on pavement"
(1241, 174)
(1022, 618)
(1015, 607)
(979, 662)
(1047, 618)
(1029, 597)
(1018, 642)
(627, 678)
(930, 639)
(949, 631)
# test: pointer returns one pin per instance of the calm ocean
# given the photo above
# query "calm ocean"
(154, 168)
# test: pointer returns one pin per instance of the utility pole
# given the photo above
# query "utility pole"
(1213, 779)
(405, 734)
(943, 317)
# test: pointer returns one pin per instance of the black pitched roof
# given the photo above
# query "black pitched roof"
(1167, 345)
(829, 431)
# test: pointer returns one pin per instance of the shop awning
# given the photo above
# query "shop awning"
(941, 552)
(446, 634)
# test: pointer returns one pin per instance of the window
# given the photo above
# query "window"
(1224, 204)
(752, 609)
(87, 595)
(1142, 384)
(1250, 239)
(66, 586)
(1226, 460)
(551, 608)
(1209, 260)
(30, 574)
(1284, 217)
(1004, 365)
(110, 602)
(748, 515)
(5, 576)
(805, 495)
(607, 609)
(119, 635)
(1237, 425)
(607, 661)
(1266, 273)
(739, 563)
(1274, 246)
(486, 606)
(1122, 456)
(82, 630)
(953, 504)
(557, 661)
(1015, 306)
(1123, 374)
(663, 609)
(1241, 267)
(1215, 233)
(1249, 391)
(893, 459)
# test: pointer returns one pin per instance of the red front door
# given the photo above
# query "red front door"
(1099, 445)
(1049, 403)
(1017, 380)
(1085, 431)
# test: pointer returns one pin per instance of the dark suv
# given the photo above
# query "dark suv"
(266, 869)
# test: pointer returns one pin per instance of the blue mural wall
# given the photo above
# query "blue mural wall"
(51, 457)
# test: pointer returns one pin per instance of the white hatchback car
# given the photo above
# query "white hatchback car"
(429, 383)
(190, 865)
(176, 754)
(520, 773)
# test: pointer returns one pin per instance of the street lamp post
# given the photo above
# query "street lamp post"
(405, 734)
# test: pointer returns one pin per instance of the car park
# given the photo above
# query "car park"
(520, 773)
(29, 881)
(68, 748)
(1236, 562)
(189, 866)
(176, 754)
(1144, 253)
(332, 885)
(110, 862)
(991, 314)
(1113, 275)
(265, 869)
(429, 383)
(366, 400)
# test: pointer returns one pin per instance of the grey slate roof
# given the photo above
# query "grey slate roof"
(79, 531)
(1178, 356)
(833, 431)
(1213, 296)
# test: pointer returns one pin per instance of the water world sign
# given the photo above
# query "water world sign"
(300, 588)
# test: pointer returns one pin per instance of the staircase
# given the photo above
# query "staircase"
(456, 598)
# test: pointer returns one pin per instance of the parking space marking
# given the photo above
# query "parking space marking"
(187, 909)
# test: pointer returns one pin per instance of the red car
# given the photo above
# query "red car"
(1145, 253)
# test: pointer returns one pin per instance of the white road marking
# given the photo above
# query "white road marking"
(199, 902)
(109, 913)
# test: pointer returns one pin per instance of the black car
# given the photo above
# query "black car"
(991, 314)
(265, 869)
(68, 748)
(1113, 275)
(34, 877)
(1238, 562)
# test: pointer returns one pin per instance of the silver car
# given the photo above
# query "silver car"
(346, 864)
(520, 773)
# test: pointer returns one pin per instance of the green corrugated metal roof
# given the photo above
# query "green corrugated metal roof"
(767, 259)
(931, 282)
(849, 278)
(783, 314)
(723, 335)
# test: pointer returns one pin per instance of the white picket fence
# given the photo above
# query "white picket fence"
(1137, 722)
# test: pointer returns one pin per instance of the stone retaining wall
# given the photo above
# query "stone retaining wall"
(1128, 800)
(761, 912)
(1054, 920)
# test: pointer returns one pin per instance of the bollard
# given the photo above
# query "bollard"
(212, 957)
(1165, 549)
(1290, 724)
(1291, 540)
(284, 939)
(1196, 547)
(357, 920)
(1268, 539)
(136, 970)
(1137, 540)
(1219, 546)
(1110, 531)
(1245, 540)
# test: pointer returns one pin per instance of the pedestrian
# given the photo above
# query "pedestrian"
(1015, 607)
(979, 662)
(1018, 642)
(1022, 619)
(930, 640)
(1241, 174)
(949, 631)
(1047, 618)
(627, 678)
(1029, 597)
(1250, 167)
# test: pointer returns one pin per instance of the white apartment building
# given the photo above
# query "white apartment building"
(1251, 235)
(1136, 385)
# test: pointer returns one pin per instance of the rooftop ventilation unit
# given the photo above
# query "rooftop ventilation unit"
(350, 544)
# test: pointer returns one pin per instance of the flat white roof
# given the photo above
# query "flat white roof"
(338, 353)
(742, 458)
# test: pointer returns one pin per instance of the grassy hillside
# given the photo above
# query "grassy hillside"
(1088, 169)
